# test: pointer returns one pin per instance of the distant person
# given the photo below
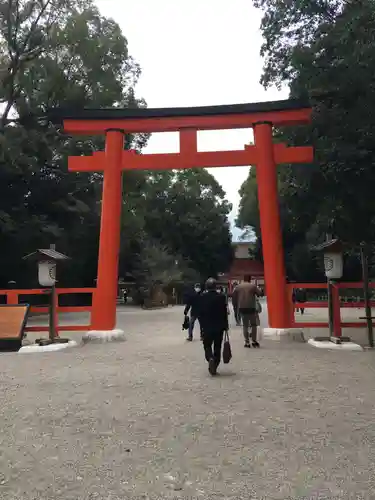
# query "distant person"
(220, 289)
(245, 295)
(214, 322)
(192, 305)
(299, 297)
(258, 309)
(294, 297)
(236, 312)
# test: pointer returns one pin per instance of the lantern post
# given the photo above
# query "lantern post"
(332, 252)
(46, 259)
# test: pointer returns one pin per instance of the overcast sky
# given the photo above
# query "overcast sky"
(196, 53)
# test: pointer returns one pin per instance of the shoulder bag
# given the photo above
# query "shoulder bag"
(227, 350)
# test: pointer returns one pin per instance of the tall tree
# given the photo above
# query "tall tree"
(66, 54)
(289, 26)
(194, 205)
(325, 51)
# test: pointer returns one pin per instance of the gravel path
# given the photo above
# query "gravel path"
(144, 420)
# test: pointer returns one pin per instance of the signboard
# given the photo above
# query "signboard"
(13, 319)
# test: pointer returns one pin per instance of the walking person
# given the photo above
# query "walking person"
(302, 298)
(299, 296)
(236, 312)
(222, 291)
(245, 294)
(192, 305)
(213, 318)
(258, 311)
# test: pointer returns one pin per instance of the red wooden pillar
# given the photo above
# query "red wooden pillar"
(336, 306)
(55, 298)
(273, 252)
(12, 298)
(105, 297)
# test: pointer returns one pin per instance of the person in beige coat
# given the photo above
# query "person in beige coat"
(245, 295)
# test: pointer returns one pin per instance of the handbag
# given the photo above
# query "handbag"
(185, 324)
(227, 350)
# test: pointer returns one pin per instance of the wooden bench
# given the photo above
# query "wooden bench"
(13, 319)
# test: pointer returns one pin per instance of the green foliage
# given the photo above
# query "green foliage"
(64, 53)
(248, 214)
(156, 265)
(187, 211)
(40, 201)
(287, 27)
(325, 51)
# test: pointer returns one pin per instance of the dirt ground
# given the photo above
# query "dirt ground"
(144, 420)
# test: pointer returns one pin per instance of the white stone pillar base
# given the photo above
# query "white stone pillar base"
(283, 334)
(327, 344)
(35, 348)
(103, 336)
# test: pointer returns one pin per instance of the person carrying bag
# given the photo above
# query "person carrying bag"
(213, 317)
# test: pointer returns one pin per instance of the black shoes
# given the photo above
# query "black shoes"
(254, 344)
(212, 367)
(189, 339)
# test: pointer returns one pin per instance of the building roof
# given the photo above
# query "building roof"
(334, 245)
(243, 243)
(57, 115)
(240, 267)
(48, 253)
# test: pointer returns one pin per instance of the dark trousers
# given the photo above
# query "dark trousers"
(237, 315)
(193, 319)
(212, 342)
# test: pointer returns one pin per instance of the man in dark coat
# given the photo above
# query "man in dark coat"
(213, 319)
(192, 305)
(299, 296)
(236, 311)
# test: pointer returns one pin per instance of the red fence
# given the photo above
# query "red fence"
(337, 304)
(13, 297)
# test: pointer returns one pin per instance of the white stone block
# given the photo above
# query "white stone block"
(35, 348)
(103, 336)
(327, 344)
(283, 334)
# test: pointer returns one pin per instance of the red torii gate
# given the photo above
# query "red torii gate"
(114, 123)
